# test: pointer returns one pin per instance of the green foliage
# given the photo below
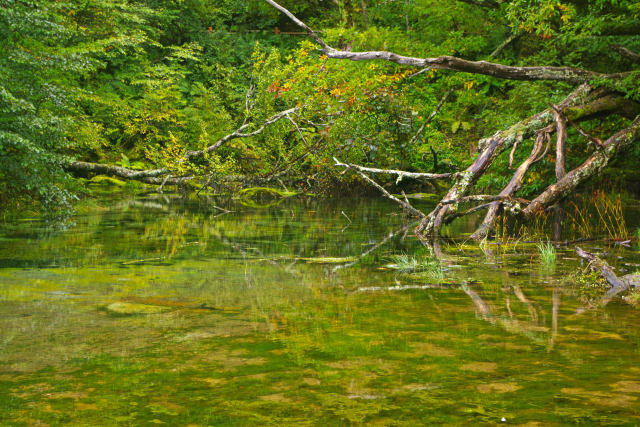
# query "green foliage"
(591, 286)
(140, 82)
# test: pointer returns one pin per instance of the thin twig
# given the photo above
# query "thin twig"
(515, 147)
(431, 116)
(404, 204)
(401, 174)
(304, 140)
(424, 70)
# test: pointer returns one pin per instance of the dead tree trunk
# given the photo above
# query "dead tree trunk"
(514, 185)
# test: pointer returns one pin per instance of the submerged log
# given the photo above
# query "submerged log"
(618, 284)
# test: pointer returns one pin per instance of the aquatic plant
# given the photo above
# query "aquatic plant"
(547, 253)
(534, 229)
(591, 286)
(610, 215)
(427, 265)
(605, 216)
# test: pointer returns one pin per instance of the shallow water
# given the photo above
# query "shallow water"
(291, 315)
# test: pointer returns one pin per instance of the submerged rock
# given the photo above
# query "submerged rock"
(129, 308)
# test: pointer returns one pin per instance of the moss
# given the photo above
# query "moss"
(107, 180)
(264, 191)
(591, 286)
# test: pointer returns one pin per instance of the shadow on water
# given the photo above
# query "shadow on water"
(155, 310)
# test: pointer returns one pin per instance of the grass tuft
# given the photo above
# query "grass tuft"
(547, 253)
(428, 265)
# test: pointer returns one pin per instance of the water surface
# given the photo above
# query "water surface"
(289, 314)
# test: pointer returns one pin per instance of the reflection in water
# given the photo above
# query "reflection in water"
(165, 311)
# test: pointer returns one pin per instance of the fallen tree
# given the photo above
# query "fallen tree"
(165, 176)
(594, 95)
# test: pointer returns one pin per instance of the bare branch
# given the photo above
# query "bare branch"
(562, 116)
(581, 103)
(248, 104)
(417, 73)
(402, 203)
(586, 170)
(504, 44)
(423, 176)
(514, 185)
(561, 142)
(190, 155)
(565, 74)
(627, 53)
(431, 116)
(513, 150)
(304, 140)
(299, 23)
(476, 198)
(152, 176)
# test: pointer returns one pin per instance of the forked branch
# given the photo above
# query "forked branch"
(238, 133)
(161, 176)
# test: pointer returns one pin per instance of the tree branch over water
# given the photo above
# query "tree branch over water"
(446, 62)
(162, 176)
(587, 101)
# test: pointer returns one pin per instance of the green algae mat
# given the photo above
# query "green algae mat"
(158, 310)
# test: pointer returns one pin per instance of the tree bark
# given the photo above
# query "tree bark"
(627, 53)
(490, 148)
(586, 170)
(514, 185)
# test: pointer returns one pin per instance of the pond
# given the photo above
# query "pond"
(152, 309)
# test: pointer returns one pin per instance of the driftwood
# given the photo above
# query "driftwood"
(618, 284)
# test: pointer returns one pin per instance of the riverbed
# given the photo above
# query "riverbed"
(154, 309)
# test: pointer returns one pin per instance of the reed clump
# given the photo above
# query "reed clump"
(547, 253)
(426, 265)
(601, 213)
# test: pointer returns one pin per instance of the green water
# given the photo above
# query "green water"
(273, 316)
